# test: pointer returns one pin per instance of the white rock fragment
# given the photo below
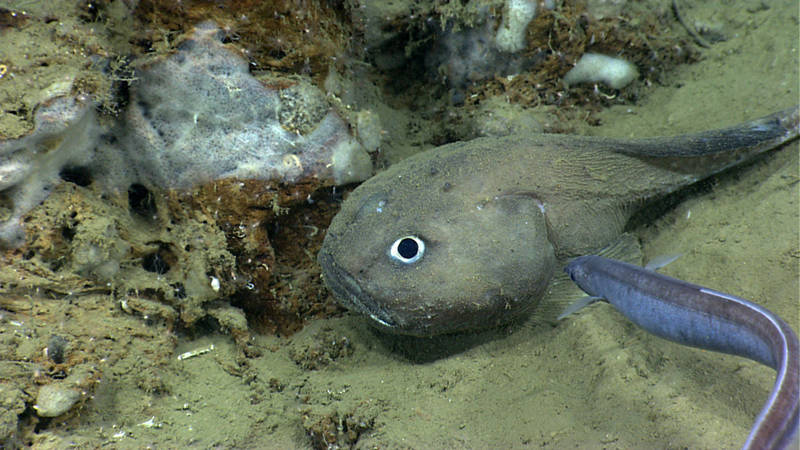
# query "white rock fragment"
(516, 17)
(151, 423)
(55, 399)
(616, 73)
(196, 352)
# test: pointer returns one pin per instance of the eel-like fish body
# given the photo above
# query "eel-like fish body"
(699, 317)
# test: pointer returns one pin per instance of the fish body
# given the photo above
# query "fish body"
(469, 235)
(700, 317)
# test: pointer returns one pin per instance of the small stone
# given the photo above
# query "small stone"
(55, 399)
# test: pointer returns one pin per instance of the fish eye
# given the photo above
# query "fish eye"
(407, 249)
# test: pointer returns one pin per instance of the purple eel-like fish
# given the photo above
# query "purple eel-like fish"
(700, 317)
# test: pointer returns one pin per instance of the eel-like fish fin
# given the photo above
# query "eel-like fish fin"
(661, 261)
(578, 305)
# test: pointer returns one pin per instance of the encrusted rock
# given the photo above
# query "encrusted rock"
(29, 167)
(199, 116)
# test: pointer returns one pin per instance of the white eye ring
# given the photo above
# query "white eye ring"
(407, 249)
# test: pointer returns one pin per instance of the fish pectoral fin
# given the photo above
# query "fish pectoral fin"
(626, 248)
(578, 305)
(562, 292)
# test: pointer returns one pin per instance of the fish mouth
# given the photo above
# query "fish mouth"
(347, 290)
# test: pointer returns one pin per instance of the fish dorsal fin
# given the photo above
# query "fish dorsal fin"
(626, 248)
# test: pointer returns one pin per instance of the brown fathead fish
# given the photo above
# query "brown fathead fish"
(469, 235)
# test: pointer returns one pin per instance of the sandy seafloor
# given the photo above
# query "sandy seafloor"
(593, 381)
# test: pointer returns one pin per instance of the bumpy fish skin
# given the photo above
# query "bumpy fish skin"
(498, 216)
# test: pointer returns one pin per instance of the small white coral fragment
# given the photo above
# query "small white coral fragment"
(615, 73)
(511, 33)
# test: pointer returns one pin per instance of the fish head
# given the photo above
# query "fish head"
(422, 252)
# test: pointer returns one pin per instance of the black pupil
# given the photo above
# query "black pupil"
(408, 248)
